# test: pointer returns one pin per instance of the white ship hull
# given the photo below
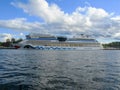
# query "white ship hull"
(47, 42)
(60, 48)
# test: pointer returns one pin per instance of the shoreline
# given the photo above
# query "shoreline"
(101, 49)
(7, 48)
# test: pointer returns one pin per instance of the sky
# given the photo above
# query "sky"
(99, 19)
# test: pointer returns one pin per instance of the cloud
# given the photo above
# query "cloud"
(5, 36)
(19, 24)
(88, 20)
(40, 8)
(21, 34)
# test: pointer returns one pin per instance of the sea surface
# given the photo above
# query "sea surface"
(59, 70)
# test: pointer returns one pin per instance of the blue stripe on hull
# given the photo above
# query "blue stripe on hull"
(64, 48)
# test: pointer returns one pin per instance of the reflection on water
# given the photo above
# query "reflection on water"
(59, 70)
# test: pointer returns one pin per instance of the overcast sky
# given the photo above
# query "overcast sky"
(97, 18)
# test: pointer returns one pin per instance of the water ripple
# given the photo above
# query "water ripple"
(59, 70)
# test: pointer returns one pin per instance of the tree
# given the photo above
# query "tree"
(112, 44)
(19, 40)
(7, 40)
(0, 43)
(7, 43)
(13, 40)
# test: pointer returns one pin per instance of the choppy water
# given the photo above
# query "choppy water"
(59, 70)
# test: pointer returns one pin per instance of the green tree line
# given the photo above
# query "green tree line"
(112, 45)
(10, 42)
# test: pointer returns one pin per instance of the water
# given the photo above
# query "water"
(59, 70)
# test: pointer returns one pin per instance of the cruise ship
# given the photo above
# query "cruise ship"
(51, 42)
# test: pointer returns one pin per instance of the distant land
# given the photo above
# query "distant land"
(9, 44)
(112, 45)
